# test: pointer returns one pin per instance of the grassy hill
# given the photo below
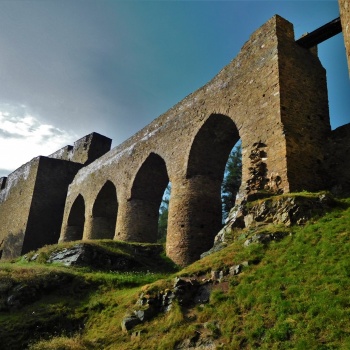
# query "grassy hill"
(294, 294)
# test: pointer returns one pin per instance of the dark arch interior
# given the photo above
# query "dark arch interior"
(104, 212)
(76, 219)
(146, 196)
(212, 146)
(151, 180)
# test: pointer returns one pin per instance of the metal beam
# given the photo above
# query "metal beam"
(321, 34)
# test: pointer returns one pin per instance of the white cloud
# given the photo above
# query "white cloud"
(23, 136)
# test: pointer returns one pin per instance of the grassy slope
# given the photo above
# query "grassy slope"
(295, 295)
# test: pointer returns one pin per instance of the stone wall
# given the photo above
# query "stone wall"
(305, 115)
(272, 96)
(16, 198)
(32, 205)
(337, 160)
(344, 7)
(32, 198)
(49, 195)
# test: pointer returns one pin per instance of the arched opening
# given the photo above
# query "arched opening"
(139, 217)
(104, 213)
(163, 215)
(232, 180)
(196, 208)
(211, 147)
(76, 220)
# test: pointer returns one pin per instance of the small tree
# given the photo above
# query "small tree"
(232, 180)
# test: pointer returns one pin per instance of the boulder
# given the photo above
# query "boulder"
(83, 254)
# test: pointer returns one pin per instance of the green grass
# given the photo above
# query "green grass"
(293, 295)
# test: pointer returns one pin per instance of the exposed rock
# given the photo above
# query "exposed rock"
(265, 238)
(203, 295)
(83, 254)
(168, 298)
(197, 342)
(16, 295)
(278, 210)
(130, 322)
(286, 210)
(185, 292)
(21, 295)
(217, 247)
(235, 269)
(214, 275)
(88, 255)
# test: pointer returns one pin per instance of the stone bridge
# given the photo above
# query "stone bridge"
(272, 97)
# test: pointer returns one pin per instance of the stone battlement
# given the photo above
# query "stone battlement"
(85, 150)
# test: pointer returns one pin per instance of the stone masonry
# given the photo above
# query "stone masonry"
(32, 197)
(344, 7)
(272, 97)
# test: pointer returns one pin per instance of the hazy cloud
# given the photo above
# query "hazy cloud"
(9, 135)
(24, 136)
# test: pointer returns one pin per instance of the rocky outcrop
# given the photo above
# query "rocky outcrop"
(199, 341)
(285, 210)
(84, 254)
(185, 292)
(265, 238)
(14, 295)
(87, 255)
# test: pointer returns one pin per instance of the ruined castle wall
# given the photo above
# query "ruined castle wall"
(85, 150)
(90, 147)
(344, 7)
(15, 202)
(245, 100)
(32, 198)
(305, 115)
(32, 204)
(49, 195)
(65, 153)
(337, 159)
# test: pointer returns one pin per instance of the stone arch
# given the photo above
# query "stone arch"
(104, 213)
(138, 218)
(195, 209)
(211, 147)
(76, 220)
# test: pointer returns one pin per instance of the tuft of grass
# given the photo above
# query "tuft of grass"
(62, 343)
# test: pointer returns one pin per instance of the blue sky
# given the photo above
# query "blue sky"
(72, 67)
